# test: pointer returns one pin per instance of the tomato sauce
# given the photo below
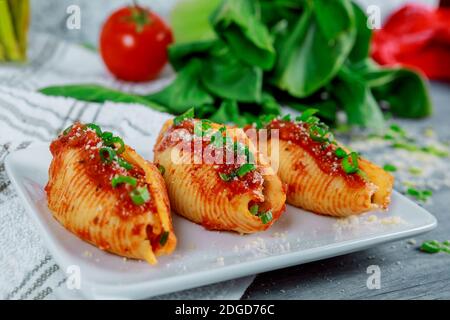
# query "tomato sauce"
(182, 135)
(324, 154)
(101, 174)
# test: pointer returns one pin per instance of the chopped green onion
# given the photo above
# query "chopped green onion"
(318, 133)
(421, 195)
(67, 130)
(161, 169)
(223, 129)
(124, 164)
(244, 169)
(107, 154)
(340, 153)
(164, 238)
(226, 177)
(266, 217)
(405, 146)
(435, 151)
(254, 209)
(139, 196)
(118, 140)
(123, 179)
(185, 116)
(390, 167)
(415, 171)
(431, 246)
(307, 114)
(106, 137)
(95, 127)
(350, 167)
(287, 117)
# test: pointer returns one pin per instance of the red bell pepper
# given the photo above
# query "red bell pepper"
(418, 37)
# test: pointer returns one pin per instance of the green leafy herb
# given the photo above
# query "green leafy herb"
(164, 238)
(189, 114)
(139, 196)
(306, 115)
(107, 154)
(254, 209)
(421, 195)
(340, 153)
(266, 217)
(350, 163)
(433, 246)
(123, 179)
(244, 169)
(161, 169)
(67, 130)
(390, 168)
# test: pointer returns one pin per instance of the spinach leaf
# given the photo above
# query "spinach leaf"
(227, 112)
(274, 11)
(237, 23)
(357, 100)
(181, 54)
(312, 51)
(100, 94)
(225, 76)
(185, 91)
(361, 47)
(404, 90)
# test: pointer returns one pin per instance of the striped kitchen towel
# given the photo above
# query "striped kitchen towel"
(28, 269)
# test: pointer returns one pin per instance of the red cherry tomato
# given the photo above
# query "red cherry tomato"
(133, 44)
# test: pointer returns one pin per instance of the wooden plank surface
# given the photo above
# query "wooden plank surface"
(406, 273)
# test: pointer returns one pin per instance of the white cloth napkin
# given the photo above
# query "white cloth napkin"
(28, 269)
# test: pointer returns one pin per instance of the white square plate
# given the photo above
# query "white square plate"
(203, 257)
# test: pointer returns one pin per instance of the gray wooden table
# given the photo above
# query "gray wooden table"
(406, 273)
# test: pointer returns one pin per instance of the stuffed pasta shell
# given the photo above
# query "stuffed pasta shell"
(215, 177)
(321, 175)
(105, 193)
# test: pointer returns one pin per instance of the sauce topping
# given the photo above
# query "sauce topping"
(102, 173)
(324, 153)
(236, 174)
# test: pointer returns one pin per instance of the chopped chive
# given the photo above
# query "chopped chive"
(226, 177)
(266, 217)
(107, 154)
(390, 167)
(350, 167)
(431, 246)
(67, 130)
(254, 209)
(189, 114)
(164, 238)
(405, 146)
(435, 151)
(124, 164)
(421, 195)
(340, 153)
(95, 127)
(415, 171)
(244, 169)
(123, 179)
(161, 169)
(139, 196)
(307, 114)
(318, 133)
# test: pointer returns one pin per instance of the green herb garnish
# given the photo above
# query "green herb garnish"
(390, 167)
(266, 217)
(421, 195)
(95, 127)
(350, 166)
(190, 114)
(123, 179)
(139, 196)
(340, 153)
(67, 130)
(254, 209)
(226, 177)
(433, 246)
(124, 164)
(107, 154)
(161, 169)
(164, 238)
(244, 169)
